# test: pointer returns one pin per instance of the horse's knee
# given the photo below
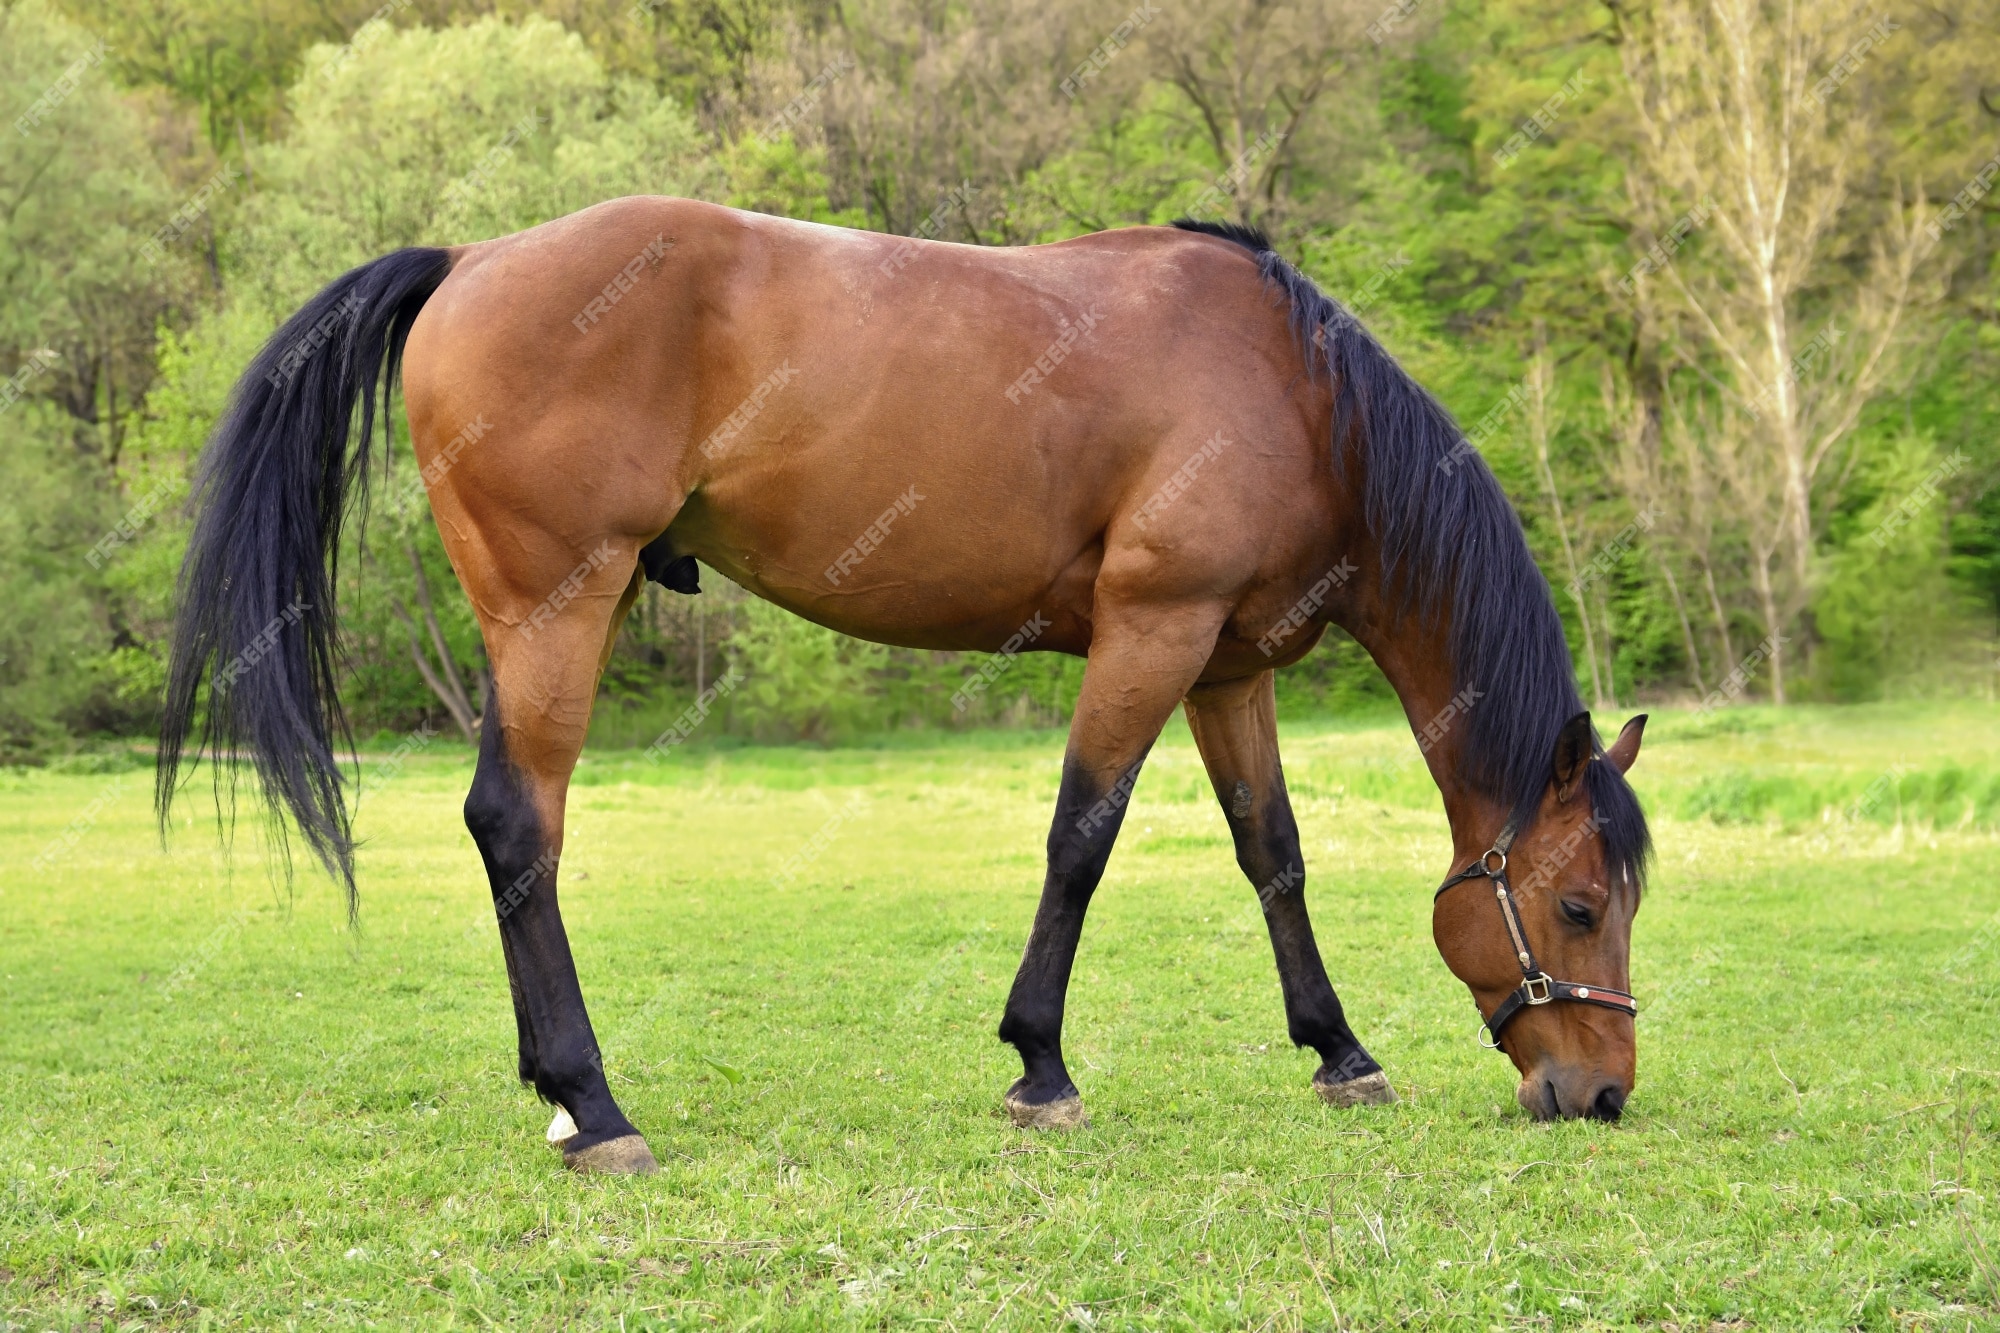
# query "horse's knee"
(1088, 817)
(499, 815)
(1267, 839)
(486, 810)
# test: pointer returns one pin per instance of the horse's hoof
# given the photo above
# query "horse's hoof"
(1063, 1113)
(626, 1155)
(1368, 1090)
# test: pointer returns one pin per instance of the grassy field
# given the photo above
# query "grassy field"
(224, 1110)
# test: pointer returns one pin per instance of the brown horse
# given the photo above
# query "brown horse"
(1158, 448)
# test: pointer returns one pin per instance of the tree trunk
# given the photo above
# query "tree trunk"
(1721, 617)
(1610, 649)
(1538, 428)
(1687, 630)
(1760, 573)
(445, 680)
(461, 714)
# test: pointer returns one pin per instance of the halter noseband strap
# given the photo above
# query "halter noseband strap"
(1537, 986)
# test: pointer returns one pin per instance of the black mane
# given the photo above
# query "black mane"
(1448, 535)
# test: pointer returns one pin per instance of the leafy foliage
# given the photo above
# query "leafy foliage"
(265, 148)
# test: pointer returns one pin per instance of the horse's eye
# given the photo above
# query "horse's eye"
(1579, 915)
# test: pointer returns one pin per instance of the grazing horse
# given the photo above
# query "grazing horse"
(1159, 448)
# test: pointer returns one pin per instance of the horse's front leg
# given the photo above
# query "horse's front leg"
(1235, 725)
(1141, 664)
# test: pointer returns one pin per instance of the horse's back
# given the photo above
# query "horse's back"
(912, 441)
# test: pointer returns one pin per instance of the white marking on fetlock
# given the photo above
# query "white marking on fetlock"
(561, 1129)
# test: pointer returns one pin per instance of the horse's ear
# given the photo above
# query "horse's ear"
(1574, 744)
(1625, 750)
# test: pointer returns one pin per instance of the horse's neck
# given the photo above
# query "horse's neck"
(1416, 659)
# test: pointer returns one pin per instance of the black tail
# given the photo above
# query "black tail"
(256, 623)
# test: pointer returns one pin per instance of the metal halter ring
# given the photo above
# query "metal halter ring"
(1486, 861)
(1546, 982)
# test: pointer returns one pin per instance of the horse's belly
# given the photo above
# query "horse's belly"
(907, 561)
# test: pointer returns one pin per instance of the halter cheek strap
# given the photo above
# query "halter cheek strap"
(1537, 987)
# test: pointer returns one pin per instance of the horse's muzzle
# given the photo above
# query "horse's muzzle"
(1583, 1095)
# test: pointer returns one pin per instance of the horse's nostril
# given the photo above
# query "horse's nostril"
(1609, 1104)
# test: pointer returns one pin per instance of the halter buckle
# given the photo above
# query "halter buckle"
(1545, 981)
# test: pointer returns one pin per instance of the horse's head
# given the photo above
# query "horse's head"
(1540, 930)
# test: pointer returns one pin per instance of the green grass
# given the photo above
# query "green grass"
(222, 1110)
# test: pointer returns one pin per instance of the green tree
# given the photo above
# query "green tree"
(81, 195)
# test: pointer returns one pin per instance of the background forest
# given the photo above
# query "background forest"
(1712, 284)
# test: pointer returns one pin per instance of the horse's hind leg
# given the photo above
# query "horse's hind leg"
(1235, 726)
(546, 660)
(1141, 663)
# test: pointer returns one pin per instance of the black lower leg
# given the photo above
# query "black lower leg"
(1267, 848)
(1313, 1015)
(559, 1055)
(524, 1035)
(1089, 810)
(1235, 725)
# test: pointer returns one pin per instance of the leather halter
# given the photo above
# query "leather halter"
(1537, 987)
